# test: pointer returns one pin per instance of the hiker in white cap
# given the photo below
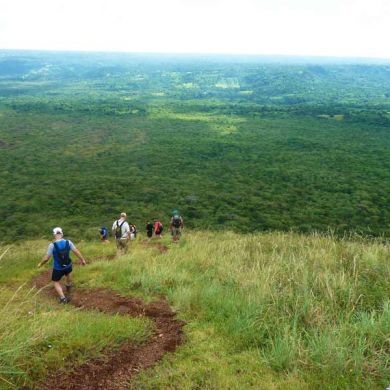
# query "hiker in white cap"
(121, 232)
(62, 263)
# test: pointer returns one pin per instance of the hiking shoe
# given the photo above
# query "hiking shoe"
(64, 300)
(68, 287)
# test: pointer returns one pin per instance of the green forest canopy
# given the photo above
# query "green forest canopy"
(234, 143)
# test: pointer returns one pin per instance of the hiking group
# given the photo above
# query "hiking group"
(59, 249)
(124, 232)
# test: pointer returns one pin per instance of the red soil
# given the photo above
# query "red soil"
(117, 367)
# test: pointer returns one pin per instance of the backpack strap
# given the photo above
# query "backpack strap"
(56, 247)
(67, 246)
(119, 226)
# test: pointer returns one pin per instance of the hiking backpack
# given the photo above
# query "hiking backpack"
(158, 227)
(176, 221)
(63, 254)
(118, 230)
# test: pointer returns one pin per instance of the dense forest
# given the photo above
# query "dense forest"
(238, 143)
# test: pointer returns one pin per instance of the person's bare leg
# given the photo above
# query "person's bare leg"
(118, 248)
(58, 288)
(68, 282)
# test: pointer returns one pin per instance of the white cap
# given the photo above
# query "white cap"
(123, 215)
(57, 230)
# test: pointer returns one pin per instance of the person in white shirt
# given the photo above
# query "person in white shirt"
(121, 232)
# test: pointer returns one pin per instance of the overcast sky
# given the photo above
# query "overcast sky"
(293, 27)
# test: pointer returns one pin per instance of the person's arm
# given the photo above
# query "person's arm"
(80, 256)
(77, 253)
(127, 230)
(44, 260)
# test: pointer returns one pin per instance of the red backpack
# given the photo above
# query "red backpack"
(158, 227)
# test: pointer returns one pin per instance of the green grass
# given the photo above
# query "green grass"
(38, 336)
(310, 310)
(271, 311)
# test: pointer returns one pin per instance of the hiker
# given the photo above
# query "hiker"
(62, 263)
(133, 232)
(149, 229)
(158, 228)
(121, 232)
(104, 235)
(176, 226)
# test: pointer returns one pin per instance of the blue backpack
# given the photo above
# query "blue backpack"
(63, 254)
(104, 232)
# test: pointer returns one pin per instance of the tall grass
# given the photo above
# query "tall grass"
(271, 311)
(38, 336)
(310, 307)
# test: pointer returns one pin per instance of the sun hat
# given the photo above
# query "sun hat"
(57, 230)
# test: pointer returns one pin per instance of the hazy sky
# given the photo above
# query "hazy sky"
(295, 27)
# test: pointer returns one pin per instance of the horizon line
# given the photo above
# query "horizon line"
(221, 54)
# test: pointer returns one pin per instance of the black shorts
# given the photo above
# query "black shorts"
(57, 275)
(149, 233)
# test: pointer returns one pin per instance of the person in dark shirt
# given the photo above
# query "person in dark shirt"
(176, 226)
(149, 229)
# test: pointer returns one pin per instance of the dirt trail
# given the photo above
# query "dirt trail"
(150, 244)
(117, 367)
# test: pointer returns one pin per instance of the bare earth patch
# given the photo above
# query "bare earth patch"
(160, 247)
(116, 368)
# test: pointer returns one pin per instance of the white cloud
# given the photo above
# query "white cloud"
(307, 27)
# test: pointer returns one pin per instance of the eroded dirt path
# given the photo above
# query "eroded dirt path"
(116, 368)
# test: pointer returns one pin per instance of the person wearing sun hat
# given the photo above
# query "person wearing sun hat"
(176, 225)
(62, 263)
(121, 232)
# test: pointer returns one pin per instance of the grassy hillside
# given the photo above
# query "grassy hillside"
(273, 311)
